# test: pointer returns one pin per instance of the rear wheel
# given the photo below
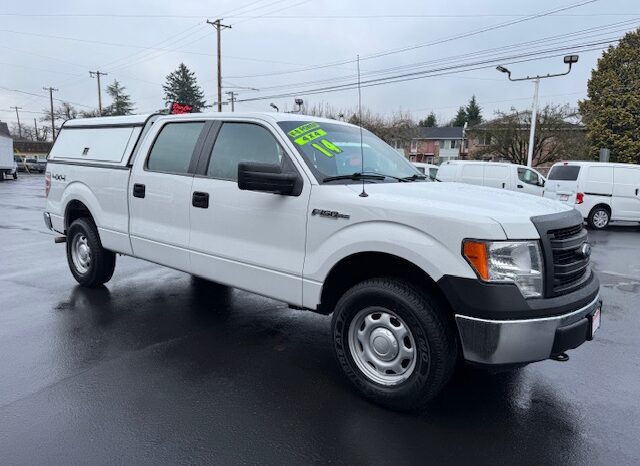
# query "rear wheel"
(90, 264)
(15, 176)
(394, 343)
(599, 218)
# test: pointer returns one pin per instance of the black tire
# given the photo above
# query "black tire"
(102, 262)
(596, 215)
(436, 348)
(15, 176)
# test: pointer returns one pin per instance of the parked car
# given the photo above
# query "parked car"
(428, 169)
(494, 174)
(601, 192)
(279, 205)
(35, 165)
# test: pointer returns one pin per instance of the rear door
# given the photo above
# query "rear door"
(625, 203)
(160, 194)
(247, 239)
(562, 183)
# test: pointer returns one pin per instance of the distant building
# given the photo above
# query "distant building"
(433, 145)
(37, 149)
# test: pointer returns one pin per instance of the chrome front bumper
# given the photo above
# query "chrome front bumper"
(497, 342)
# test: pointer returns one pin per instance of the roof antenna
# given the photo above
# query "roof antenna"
(363, 193)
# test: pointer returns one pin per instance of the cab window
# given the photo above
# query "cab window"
(243, 142)
(173, 148)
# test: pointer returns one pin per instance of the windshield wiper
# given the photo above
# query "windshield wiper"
(354, 176)
(414, 177)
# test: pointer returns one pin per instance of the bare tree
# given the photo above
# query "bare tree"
(558, 135)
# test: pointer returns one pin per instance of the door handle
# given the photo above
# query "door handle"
(637, 191)
(200, 199)
(138, 190)
(503, 185)
(520, 186)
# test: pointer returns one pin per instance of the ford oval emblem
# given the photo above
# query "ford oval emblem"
(585, 250)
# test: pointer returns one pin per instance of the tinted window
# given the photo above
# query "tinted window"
(242, 142)
(564, 172)
(173, 147)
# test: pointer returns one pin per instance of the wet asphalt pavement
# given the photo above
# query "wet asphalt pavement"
(156, 368)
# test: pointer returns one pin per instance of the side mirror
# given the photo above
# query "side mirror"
(268, 178)
(541, 183)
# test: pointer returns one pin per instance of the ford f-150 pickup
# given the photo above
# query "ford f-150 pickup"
(418, 275)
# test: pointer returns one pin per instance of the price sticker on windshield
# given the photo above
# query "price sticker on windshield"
(308, 137)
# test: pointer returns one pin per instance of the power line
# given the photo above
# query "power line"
(522, 46)
(307, 17)
(427, 44)
(459, 68)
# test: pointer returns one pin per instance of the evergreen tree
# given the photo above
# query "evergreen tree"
(429, 122)
(612, 110)
(460, 118)
(182, 86)
(121, 104)
(473, 112)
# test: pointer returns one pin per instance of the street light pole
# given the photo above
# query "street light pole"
(569, 60)
(534, 117)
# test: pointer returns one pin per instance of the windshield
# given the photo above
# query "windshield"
(333, 150)
(564, 172)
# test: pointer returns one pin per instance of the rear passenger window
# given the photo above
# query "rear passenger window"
(242, 142)
(173, 148)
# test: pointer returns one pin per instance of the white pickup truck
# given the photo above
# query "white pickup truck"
(418, 275)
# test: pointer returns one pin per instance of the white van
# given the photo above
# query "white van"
(601, 192)
(427, 168)
(494, 174)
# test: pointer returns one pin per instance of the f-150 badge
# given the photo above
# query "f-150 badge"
(329, 213)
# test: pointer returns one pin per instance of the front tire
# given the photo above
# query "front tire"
(599, 218)
(394, 343)
(90, 264)
(15, 176)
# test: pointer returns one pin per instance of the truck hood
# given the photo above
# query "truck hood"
(510, 209)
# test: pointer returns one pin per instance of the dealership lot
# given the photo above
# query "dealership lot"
(158, 368)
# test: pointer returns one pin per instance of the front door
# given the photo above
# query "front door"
(529, 181)
(160, 194)
(247, 239)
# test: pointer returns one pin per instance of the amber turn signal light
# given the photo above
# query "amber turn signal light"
(477, 255)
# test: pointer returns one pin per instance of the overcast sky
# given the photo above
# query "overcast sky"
(44, 43)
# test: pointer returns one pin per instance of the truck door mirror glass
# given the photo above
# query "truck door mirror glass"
(268, 178)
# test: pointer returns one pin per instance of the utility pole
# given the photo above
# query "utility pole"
(35, 125)
(53, 120)
(97, 74)
(232, 98)
(219, 26)
(18, 117)
(568, 60)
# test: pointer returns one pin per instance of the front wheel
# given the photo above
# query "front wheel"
(394, 343)
(90, 264)
(15, 176)
(599, 218)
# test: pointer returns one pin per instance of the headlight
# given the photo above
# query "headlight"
(518, 262)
